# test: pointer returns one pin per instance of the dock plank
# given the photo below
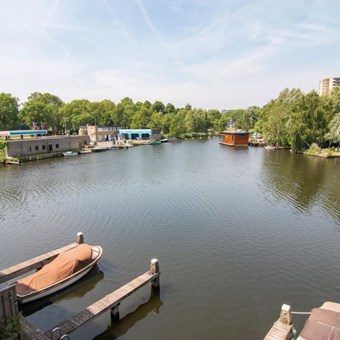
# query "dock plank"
(26, 266)
(104, 304)
(29, 332)
(279, 331)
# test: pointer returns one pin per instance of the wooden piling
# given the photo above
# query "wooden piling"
(80, 238)
(282, 328)
(286, 315)
(154, 269)
(115, 312)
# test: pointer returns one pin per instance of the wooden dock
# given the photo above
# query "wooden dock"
(282, 328)
(110, 301)
(279, 331)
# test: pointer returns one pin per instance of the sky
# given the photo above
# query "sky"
(211, 54)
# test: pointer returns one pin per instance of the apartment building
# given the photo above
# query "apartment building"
(326, 85)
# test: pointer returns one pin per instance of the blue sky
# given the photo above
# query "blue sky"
(213, 54)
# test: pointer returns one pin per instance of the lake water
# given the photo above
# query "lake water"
(237, 232)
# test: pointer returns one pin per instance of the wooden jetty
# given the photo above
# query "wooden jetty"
(323, 323)
(282, 328)
(9, 303)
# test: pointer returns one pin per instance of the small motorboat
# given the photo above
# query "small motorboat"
(70, 153)
(271, 147)
(67, 268)
(82, 152)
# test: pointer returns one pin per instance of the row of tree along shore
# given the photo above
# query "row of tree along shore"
(294, 119)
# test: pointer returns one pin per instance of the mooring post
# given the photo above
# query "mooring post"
(285, 315)
(80, 238)
(115, 312)
(154, 269)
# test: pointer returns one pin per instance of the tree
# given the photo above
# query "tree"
(124, 112)
(9, 111)
(75, 114)
(334, 130)
(276, 124)
(177, 125)
(43, 108)
(158, 106)
(142, 118)
(108, 110)
(169, 108)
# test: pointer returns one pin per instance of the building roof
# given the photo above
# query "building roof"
(235, 132)
(22, 132)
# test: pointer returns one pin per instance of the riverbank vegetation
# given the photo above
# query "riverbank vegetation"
(294, 119)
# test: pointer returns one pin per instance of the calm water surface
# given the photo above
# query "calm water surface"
(237, 233)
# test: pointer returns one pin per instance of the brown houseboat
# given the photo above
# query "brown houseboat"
(234, 138)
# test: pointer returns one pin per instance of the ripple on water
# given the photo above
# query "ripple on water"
(237, 232)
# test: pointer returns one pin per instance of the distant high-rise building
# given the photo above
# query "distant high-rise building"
(326, 85)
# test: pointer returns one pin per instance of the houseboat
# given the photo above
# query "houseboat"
(237, 138)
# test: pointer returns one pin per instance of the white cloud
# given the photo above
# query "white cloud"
(210, 54)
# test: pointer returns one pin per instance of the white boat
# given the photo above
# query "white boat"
(70, 153)
(67, 268)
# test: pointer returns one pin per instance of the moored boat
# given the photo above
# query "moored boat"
(70, 153)
(85, 151)
(67, 268)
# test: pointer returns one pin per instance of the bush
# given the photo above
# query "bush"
(9, 327)
(314, 149)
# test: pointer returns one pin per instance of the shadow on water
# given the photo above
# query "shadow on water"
(122, 326)
(76, 290)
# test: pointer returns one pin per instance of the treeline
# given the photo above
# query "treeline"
(293, 119)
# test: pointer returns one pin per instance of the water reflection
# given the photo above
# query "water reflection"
(304, 181)
(121, 327)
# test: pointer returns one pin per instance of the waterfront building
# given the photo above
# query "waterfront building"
(139, 134)
(234, 138)
(326, 85)
(31, 143)
(99, 133)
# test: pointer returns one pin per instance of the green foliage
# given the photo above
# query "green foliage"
(293, 119)
(9, 111)
(42, 107)
(3, 149)
(9, 327)
(334, 130)
(314, 149)
(330, 152)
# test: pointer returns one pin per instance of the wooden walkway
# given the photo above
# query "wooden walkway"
(282, 328)
(279, 331)
(29, 265)
(9, 304)
(103, 305)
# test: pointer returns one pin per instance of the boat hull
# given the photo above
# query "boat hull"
(63, 283)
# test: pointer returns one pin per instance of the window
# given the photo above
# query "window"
(43, 147)
(29, 149)
(57, 146)
(36, 148)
